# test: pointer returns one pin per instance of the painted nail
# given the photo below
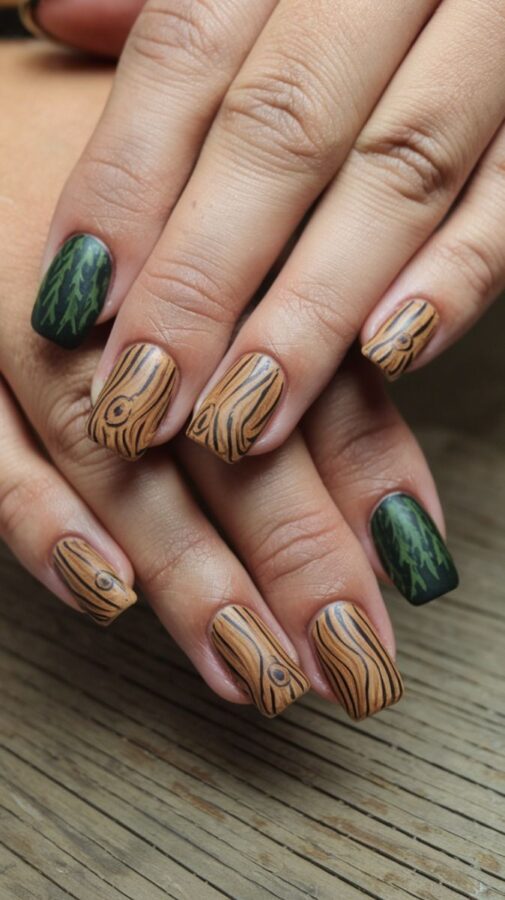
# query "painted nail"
(98, 589)
(133, 401)
(402, 337)
(257, 659)
(412, 550)
(73, 291)
(237, 409)
(359, 669)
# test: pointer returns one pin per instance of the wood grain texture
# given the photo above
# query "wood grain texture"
(133, 401)
(98, 589)
(359, 669)
(402, 337)
(271, 678)
(234, 414)
(123, 776)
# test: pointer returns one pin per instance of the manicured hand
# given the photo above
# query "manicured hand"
(304, 591)
(226, 122)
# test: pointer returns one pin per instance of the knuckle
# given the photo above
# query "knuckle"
(322, 311)
(368, 458)
(175, 34)
(186, 550)
(292, 546)
(284, 117)
(474, 262)
(119, 186)
(65, 428)
(21, 499)
(198, 301)
(414, 161)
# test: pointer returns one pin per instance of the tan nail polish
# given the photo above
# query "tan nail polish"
(261, 665)
(133, 401)
(98, 589)
(402, 337)
(359, 669)
(237, 409)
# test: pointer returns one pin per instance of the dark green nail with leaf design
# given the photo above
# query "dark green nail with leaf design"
(73, 291)
(412, 550)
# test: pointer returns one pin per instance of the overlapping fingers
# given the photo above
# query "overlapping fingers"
(406, 169)
(284, 128)
(176, 66)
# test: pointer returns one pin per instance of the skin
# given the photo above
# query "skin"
(300, 114)
(296, 522)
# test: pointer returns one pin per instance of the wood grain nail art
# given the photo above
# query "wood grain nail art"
(133, 401)
(261, 665)
(402, 337)
(361, 672)
(235, 412)
(98, 589)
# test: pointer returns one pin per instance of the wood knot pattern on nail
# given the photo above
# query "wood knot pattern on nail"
(99, 591)
(262, 666)
(361, 672)
(133, 401)
(402, 337)
(237, 409)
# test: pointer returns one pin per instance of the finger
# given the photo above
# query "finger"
(185, 568)
(283, 129)
(310, 569)
(458, 272)
(52, 532)
(376, 473)
(97, 26)
(407, 166)
(176, 66)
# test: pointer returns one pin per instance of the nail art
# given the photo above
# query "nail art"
(402, 337)
(99, 591)
(238, 408)
(412, 550)
(272, 680)
(73, 291)
(133, 401)
(359, 669)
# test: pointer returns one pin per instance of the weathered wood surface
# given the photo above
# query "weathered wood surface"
(122, 776)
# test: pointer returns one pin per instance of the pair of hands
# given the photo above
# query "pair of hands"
(357, 502)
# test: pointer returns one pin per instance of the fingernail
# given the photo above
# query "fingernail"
(73, 291)
(272, 680)
(133, 401)
(235, 412)
(98, 589)
(402, 337)
(359, 669)
(27, 10)
(412, 550)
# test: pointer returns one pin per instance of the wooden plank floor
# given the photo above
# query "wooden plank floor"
(122, 776)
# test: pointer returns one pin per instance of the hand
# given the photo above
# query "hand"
(300, 556)
(386, 107)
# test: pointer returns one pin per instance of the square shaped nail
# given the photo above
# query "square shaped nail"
(133, 401)
(236, 411)
(259, 662)
(98, 589)
(73, 291)
(412, 550)
(360, 670)
(402, 337)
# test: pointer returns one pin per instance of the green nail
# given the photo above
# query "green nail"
(412, 550)
(73, 291)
